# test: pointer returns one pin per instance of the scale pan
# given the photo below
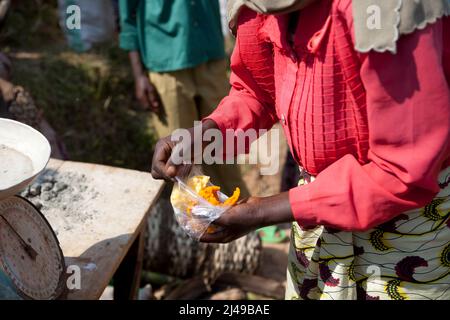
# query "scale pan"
(24, 153)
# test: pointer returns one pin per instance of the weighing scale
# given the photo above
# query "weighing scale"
(31, 261)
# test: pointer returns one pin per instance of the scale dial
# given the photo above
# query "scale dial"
(30, 254)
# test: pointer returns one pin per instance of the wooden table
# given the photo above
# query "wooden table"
(111, 243)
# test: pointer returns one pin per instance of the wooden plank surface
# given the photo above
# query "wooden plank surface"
(111, 214)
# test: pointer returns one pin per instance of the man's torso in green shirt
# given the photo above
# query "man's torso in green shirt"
(172, 34)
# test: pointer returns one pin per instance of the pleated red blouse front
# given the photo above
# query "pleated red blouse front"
(373, 127)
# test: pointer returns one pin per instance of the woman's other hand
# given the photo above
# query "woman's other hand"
(249, 215)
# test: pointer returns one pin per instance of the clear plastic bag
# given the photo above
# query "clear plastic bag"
(193, 212)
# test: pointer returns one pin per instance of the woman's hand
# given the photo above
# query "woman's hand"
(162, 165)
(162, 168)
(250, 214)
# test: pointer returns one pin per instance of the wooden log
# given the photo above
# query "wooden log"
(251, 283)
(189, 290)
(195, 287)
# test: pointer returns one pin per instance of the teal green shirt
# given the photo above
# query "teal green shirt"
(172, 34)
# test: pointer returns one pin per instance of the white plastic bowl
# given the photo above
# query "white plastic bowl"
(24, 153)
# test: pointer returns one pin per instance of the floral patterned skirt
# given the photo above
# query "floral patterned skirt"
(405, 258)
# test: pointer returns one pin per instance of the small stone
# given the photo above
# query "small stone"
(47, 186)
(48, 178)
(59, 186)
(46, 196)
(35, 190)
(146, 293)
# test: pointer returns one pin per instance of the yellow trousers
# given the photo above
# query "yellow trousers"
(191, 94)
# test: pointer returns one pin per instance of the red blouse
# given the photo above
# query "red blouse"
(373, 127)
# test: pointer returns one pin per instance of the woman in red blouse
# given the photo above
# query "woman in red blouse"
(371, 133)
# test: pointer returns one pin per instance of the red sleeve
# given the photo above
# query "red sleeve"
(250, 103)
(408, 103)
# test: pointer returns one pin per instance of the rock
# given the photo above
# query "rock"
(48, 178)
(35, 190)
(62, 195)
(146, 293)
(47, 186)
(59, 186)
(46, 196)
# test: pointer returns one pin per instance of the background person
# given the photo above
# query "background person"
(179, 65)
